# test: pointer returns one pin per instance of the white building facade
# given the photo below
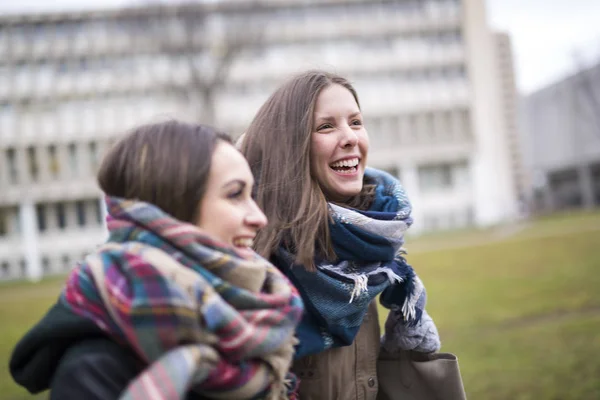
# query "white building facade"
(510, 121)
(71, 83)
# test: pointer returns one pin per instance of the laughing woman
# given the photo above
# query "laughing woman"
(336, 229)
(175, 304)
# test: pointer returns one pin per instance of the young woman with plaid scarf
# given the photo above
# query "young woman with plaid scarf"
(175, 304)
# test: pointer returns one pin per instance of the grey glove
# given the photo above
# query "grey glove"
(423, 337)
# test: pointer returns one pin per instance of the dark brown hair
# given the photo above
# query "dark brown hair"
(165, 164)
(277, 147)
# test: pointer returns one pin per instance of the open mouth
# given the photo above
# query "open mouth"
(348, 166)
(243, 243)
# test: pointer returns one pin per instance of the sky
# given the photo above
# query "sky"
(551, 38)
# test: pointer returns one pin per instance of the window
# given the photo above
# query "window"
(392, 171)
(94, 156)
(3, 222)
(62, 67)
(23, 268)
(33, 163)
(66, 262)
(80, 209)
(429, 126)
(435, 177)
(13, 222)
(11, 160)
(461, 124)
(54, 163)
(6, 108)
(5, 269)
(72, 149)
(61, 219)
(98, 208)
(413, 127)
(422, 127)
(41, 217)
(445, 125)
(386, 131)
(373, 126)
(45, 265)
(461, 175)
(446, 176)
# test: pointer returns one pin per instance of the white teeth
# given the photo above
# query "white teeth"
(349, 171)
(246, 242)
(352, 162)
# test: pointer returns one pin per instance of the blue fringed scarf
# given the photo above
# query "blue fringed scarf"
(370, 262)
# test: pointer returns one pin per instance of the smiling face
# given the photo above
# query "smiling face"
(227, 210)
(339, 144)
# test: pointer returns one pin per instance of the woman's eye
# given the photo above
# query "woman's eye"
(325, 126)
(235, 195)
(357, 122)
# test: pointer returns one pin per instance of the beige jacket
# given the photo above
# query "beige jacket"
(344, 373)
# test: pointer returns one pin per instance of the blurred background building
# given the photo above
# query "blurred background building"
(510, 122)
(436, 87)
(562, 142)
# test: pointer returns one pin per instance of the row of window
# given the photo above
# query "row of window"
(152, 73)
(439, 177)
(69, 215)
(77, 63)
(45, 163)
(9, 220)
(113, 112)
(403, 46)
(403, 7)
(88, 213)
(72, 119)
(138, 25)
(91, 34)
(55, 216)
(99, 108)
(435, 127)
(450, 220)
(17, 268)
(443, 177)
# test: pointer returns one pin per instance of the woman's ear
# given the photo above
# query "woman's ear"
(239, 141)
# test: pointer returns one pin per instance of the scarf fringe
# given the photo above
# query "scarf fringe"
(361, 279)
(409, 308)
(360, 286)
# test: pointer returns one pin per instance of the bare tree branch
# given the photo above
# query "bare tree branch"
(181, 32)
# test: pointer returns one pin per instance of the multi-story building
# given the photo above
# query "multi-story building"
(510, 118)
(562, 142)
(70, 83)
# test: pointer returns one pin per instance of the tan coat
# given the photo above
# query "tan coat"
(344, 373)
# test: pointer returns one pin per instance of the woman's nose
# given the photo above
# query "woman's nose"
(350, 138)
(256, 217)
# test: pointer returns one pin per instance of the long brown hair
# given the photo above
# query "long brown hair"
(166, 164)
(277, 147)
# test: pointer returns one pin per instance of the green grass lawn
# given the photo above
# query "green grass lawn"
(21, 305)
(522, 313)
(521, 310)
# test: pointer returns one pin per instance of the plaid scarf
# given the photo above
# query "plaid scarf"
(370, 261)
(197, 314)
